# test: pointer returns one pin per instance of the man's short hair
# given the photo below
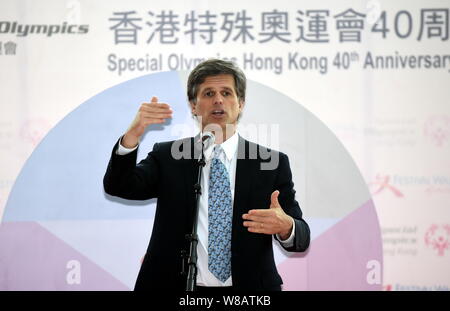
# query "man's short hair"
(215, 67)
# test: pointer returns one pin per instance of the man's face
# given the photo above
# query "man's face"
(217, 101)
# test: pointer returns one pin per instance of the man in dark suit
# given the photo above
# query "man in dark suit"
(247, 192)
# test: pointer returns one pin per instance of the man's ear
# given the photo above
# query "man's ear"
(192, 104)
(241, 104)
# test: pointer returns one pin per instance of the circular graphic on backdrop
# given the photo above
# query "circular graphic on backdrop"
(60, 231)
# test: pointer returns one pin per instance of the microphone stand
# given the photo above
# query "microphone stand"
(193, 237)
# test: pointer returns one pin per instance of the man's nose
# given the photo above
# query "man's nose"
(218, 99)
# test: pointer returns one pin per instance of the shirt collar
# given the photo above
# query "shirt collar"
(229, 147)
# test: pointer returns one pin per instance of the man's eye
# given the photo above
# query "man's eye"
(209, 93)
(225, 93)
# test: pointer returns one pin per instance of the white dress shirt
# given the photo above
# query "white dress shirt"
(228, 157)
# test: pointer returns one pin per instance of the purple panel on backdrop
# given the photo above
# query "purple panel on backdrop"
(337, 259)
(31, 258)
(294, 272)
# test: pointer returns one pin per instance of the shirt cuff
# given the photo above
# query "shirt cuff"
(121, 150)
(289, 242)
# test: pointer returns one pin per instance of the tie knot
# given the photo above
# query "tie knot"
(217, 151)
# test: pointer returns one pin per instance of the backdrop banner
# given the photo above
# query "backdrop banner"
(354, 92)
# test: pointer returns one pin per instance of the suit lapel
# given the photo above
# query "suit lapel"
(245, 170)
(191, 176)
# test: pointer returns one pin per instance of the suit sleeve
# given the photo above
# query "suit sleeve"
(125, 179)
(290, 206)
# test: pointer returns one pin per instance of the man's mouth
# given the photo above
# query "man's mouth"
(218, 112)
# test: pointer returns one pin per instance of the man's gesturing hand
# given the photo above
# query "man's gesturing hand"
(149, 113)
(269, 221)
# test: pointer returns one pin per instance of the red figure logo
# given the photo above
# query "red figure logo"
(438, 238)
(381, 183)
(437, 128)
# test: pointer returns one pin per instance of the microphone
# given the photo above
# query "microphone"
(208, 139)
(204, 142)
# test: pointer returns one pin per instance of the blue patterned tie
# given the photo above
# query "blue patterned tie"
(219, 219)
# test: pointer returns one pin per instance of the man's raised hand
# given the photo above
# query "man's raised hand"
(148, 113)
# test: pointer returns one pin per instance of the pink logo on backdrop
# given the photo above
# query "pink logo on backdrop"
(34, 130)
(381, 183)
(438, 238)
(437, 129)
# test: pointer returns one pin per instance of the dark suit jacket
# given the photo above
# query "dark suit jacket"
(166, 176)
